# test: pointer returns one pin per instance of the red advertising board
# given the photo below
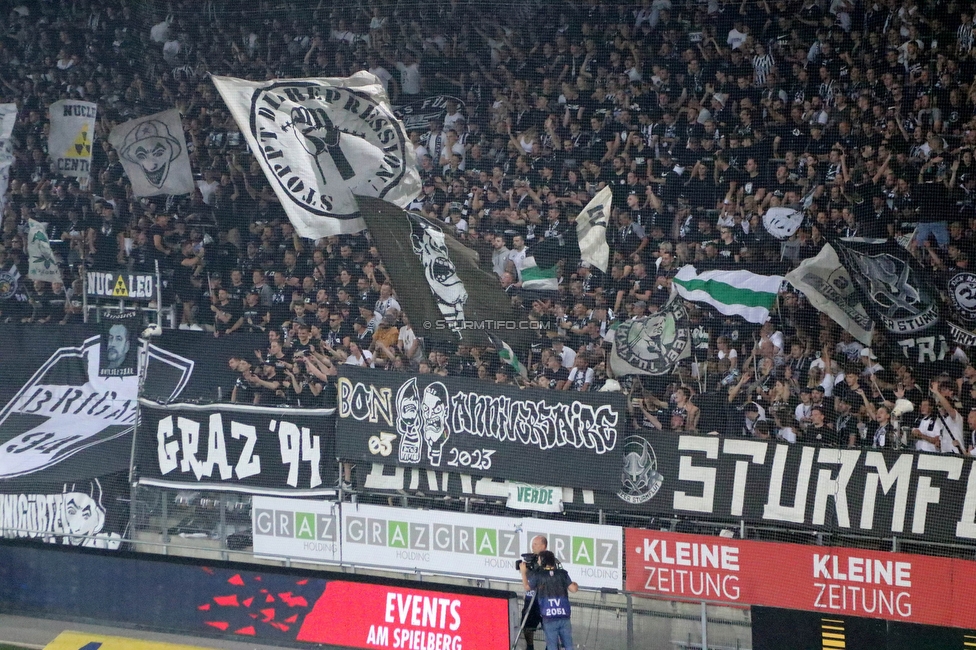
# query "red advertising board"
(854, 582)
(359, 615)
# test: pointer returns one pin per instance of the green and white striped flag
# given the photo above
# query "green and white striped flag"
(733, 293)
(536, 278)
(507, 354)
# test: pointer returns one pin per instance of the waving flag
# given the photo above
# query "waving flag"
(42, 265)
(153, 153)
(70, 141)
(828, 286)
(733, 293)
(321, 142)
(591, 230)
(654, 344)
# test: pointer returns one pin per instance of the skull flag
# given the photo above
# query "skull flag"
(898, 294)
(321, 143)
(153, 154)
(652, 345)
(458, 291)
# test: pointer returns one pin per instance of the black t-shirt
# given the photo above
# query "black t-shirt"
(555, 376)
(233, 308)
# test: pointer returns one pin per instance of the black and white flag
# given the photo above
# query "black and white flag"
(652, 345)
(323, 141)
(70, 141)
(782, 223)
(591, 230)
(153, 154)
(8, 119)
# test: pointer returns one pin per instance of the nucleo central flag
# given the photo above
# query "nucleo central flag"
(733, 293)
(70, 141)
(323, 141)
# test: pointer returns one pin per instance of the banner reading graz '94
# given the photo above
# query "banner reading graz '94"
(537, 436)
(227, 447)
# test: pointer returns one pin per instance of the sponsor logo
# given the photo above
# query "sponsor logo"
(355, 142)
(294, 524)
(640, 479)
(962, 294)
(504, 543)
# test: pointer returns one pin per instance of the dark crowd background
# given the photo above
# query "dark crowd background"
(700, 115)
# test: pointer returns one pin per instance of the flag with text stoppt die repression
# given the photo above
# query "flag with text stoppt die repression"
(733, 293)
(321, 143)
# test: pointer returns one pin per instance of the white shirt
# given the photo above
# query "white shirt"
(580, 378)
(383, 75)
(568, 356)
(930, 427)
(364, 361)
(406, 337)
(409, 78)
(951, 430)
(207, 190)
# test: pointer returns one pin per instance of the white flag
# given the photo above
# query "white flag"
(591, 230)
(323, 141)
(827, 285)
(42, 265)
(6, 160)
(8, 118)
(153, 153)
(70, 141)
(782, 223)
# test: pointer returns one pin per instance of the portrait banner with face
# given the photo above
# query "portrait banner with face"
(323, 142)
(91, 513)
(652, 345)
(564, 439)
(62, 421)
(120, 345)
(70, 141)
(153, 154)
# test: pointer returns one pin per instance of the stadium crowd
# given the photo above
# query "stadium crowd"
(700, 116)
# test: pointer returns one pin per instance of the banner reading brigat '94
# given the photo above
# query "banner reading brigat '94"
(538, 436)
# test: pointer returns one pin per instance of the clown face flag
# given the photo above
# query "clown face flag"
(153, 153)
(70, 141)
(458, 291)
(654, 344)
(322, 142)
(782, 223)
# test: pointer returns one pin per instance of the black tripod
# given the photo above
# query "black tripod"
(528, 611)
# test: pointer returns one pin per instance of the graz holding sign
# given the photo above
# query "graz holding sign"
(534, 436)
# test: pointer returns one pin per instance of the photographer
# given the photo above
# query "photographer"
(530, 609)
(552, 586)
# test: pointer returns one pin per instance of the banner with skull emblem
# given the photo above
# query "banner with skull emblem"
(899, 295)
(535, 436)
(322, 142)
(652, 345)
(153, 154)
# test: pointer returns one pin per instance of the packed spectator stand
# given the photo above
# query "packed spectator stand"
(700, 116)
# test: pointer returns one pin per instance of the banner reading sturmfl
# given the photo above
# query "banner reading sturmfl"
(70, 141)
(153, 153)
(321, 142)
